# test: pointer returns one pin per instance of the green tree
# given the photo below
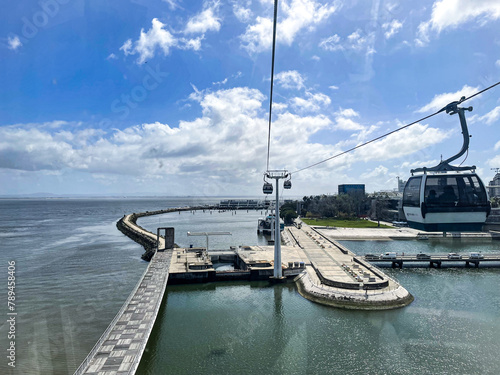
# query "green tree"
(379, 209)
(288, 213)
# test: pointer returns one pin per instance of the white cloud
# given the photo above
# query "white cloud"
(491, 117)
(348, 112)
(298, 15)
(406, 165)
(172, 4)
(362, 135)
(441, 100)
(223, 82)
(333, 87)
(344, 121)
(258, 37)
(127, 47)
(157, 37)
(402, 143)
(218, 152)
(497, 146)
(356, 41)
(375, 172)
(331, 43)
(242, 14)
(453, 13)
(301, 14)
(362, 42)
(392, 28)
(112, 56)
(311, 103)
(290, 79)
(227, 141)
(497, 63)
(279, 106)
(207, 20)
(494, 162)
(14, 42)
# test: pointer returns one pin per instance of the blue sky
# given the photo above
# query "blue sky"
(171, 97)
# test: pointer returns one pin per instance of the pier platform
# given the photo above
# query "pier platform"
(324, 270)
(336, 276)
(437, 260)
(120, 348)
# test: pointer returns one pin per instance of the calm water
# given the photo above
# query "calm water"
(74, 271)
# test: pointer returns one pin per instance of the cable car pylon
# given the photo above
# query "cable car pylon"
(268, 189)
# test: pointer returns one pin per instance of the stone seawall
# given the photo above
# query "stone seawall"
(129, 227)
(313, 290)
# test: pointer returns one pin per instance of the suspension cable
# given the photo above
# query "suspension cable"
(391, 132)
(272, 81)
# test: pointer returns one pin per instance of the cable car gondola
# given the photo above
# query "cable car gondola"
(268, 187)
(447, 198)
(287, 184)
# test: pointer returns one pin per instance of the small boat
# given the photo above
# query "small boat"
(264, 226)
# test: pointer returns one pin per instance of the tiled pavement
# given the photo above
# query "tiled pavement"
(120, 348)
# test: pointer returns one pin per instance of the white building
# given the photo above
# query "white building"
(494, 186)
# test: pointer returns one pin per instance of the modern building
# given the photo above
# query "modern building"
(352, 188)
(494, 186)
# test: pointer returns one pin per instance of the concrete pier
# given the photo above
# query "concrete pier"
(437, 260)
(120, 348)
(337, 277)
(325, 272)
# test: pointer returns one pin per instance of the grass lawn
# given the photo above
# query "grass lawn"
(343, 223)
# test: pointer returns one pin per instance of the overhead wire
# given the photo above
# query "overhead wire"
(272, 82)
(391, 132)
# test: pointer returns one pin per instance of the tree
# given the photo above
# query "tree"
(495, 202)
(379, 209)
(288, 213)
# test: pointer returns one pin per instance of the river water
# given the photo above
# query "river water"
(74, 270)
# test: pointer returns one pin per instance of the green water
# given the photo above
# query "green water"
(452, 327)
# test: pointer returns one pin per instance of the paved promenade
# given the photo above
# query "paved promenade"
(335, 276)
(120, 348)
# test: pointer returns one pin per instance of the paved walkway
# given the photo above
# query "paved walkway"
(334, 278)
(328, 259)
(120, 348)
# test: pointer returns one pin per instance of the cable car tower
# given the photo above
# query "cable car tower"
(268, 189)
(275, 174)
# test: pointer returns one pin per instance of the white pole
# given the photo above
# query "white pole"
(277, 238)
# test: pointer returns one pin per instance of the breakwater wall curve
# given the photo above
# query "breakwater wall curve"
(129, 227)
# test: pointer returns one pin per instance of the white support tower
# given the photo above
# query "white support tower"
(277, 175)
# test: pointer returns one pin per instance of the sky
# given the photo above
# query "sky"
(171, 97)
